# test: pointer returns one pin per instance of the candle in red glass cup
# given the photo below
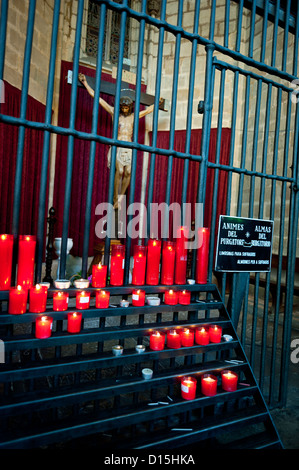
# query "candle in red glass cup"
(153, 262)
(187, 337)
(202, 256)
(181, 252)
(82, 299)
(17, 301)
(102, 299)
(202, 336)
(138, 297)
(157, 341)
(99, 275)
(117, 265)
(6, 249)
(229, 380)
(215, 333)
(184, 297)
(26, 257)
(208, 385)
(74, 322)
(188, 388)
(139, 265)
(173, 339)
(60, 301)
(171, 297)
(168, 262)
(38, 298)
(43, 327)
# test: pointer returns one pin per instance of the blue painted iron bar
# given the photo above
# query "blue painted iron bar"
(226, 23)
(286, 35)
(201, 40)
(135, 139)
(21, 137)
(252, 28)
(239, 27)
(94, 127)
(46, 145)
(3, 30)
(275, 34)
(212, 20)
(71, 139)
(244, 145)
(296, 43)
(264, 34)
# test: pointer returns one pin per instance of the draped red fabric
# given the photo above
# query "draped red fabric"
(32, 156)
(81, 160)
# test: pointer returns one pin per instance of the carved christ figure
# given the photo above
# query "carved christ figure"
(125, 133)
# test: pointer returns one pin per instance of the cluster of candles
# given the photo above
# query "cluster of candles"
(44, 324)
(176, 338)
(209, 384)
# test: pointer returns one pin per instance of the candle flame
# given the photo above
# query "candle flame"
(43, 318)
(100, 265)
(27, 238)
(170, 248)
(38, 287)
(74, 315)
(19, 288)
(3, 237)
(154, 243)
(171, 291)
(209, 379)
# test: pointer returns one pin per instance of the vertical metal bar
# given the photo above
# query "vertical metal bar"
(3, 29)
(286, 35)
(275, 31)
(46, 145)
(296, 41)
(264, 35)
(226, 22)
(212, 20)
(239, 27)
(94, 126)
(71, 140)
(252, 28)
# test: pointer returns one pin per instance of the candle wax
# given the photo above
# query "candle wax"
(17, 302)
(82, 300)
(188, 388)
(139, 266)
(43, 327)
(215, 333)
(117, 265)
(184, 297)
(26, 257)
(181, 256)
(60, 301)
(6, 250)
(171, 297)
(187, 337)
(74, 322)
(208, 385)
(38, 299)
(202, 255)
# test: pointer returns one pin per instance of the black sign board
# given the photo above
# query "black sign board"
(244, 245)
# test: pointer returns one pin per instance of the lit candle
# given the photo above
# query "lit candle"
(171, 297)
(187, 337)
(6, 249)
(153, 262)
(173, 339)
(82, 300)
(17, 302)
(138, 298)
(181, 250)
(202, 256)
(184, 297)
(229, 380)
(157, 341)
(215, 333)
(43, 327)
(60, 301)
(188, 388)
(208, 385)
(117, 265)
(38, 299)
(74, 322)
(99, 275)
(124, 303)
(202, 335)
(168, 261)
(139, 265)
(26, 257)
(117, 350)
(102, 299)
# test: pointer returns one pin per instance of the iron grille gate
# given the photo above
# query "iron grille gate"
(59, 384)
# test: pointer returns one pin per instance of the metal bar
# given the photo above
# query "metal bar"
(264, 35)
(3, 30)
(296, 43)
(286, 35)
(252, 28)
(275, 31)
(226, 23)
(239, 27)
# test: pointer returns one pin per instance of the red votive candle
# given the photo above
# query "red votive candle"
(188, 388)
(139, 265)
(168, 261)
(74, 322)
(26, 257)
(138, 297)
(208, 385)
(60, 301)
(229, 380)
(38, 299)
(215, 333)
(157, 341)
(6, 250)
(202, 256)
(202, 336)
(117, 265)
(153, 262)
(173, 339)
(171, 297)
(181, 252)
(99, 275)
(184, 297)
(17, 301)
(187, 337)
(82, 300)
(102, 299)
(43, 327)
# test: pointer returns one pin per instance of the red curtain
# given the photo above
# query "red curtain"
(32, 156)
(81, 159)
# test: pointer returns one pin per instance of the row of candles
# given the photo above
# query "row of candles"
(146, 261)
(209, 384)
